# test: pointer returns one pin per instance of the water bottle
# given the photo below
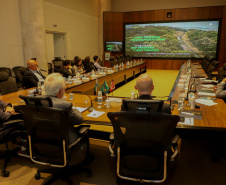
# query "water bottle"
(132, 95)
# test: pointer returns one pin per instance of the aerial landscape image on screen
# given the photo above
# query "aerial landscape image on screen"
(172, 40)
(114, 46)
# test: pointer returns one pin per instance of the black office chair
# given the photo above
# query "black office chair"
(133, 105)
(50, 68)
(49, 142)
(143, 141)
(7, 83)
(19, 72)
(141, 104)
(211, 68)
(221, 73)
(7, 70)
(57, 64)
(9, 132)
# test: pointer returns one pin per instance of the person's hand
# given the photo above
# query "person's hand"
(224, 80)
(10, 110)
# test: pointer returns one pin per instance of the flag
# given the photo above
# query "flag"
(96, 86)
(104, 88)
(112, 86)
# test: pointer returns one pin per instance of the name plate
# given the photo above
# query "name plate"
(111, 71)
(102, 73)
(78, 81)
(94, 76)
(85, 79)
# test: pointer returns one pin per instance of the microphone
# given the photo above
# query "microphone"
(91, 108)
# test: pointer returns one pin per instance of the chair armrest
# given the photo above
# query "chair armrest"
(175, 139)
(12, 122)
(83, 129)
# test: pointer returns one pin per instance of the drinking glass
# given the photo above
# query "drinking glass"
(86, 100)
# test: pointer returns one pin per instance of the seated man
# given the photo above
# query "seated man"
(31, 75)
(145, 86)
(64, 70)
(54, 88)
(6, 111)
(221, 93)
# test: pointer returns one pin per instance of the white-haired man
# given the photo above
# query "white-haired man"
(54, 88)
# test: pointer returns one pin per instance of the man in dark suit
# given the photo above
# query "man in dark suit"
(145, 86)
(31, 75)
(54, 86)
(64, 70)
(6, 111)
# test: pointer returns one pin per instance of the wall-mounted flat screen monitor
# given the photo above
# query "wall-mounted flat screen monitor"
(113, 46)
(172, 39)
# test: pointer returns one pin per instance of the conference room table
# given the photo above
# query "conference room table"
(213, 117)
(121, 76)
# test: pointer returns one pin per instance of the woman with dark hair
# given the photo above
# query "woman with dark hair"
(88, 65)
(78, 67)
(96, 63)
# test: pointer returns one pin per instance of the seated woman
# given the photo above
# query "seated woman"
(78, 67)
(221, 92)
(88, 65)
(96, 63)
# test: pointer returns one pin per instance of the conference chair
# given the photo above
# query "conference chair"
(7, 83)
(50, 68)
(221, 73)
(211, 68)
(57, 65)
(49, 141)
(19, 72)
(143, 143)
(133, 105)
(9, 132)
(7, 70)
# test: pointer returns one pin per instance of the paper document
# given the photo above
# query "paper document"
(208, 86)
(205, 102)
(206, 94)
(95, 114)
(118, 100)
(80, 109)
(187, 121)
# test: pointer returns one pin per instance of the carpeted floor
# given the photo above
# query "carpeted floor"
(194, 168)
(163, 83)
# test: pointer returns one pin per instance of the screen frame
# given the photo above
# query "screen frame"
(122, 51)
(175, 21)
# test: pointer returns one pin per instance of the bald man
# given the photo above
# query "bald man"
(31, 75)
(145, 86)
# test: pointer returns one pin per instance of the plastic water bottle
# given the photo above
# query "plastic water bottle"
(132, 95)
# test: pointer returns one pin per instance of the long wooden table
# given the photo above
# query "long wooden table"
(121, 76)
(213, 117)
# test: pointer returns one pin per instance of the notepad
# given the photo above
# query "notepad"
(80, 109)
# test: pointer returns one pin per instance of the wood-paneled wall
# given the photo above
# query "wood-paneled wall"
(113, 27)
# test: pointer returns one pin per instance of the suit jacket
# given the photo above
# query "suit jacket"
(29, 78)
(221, 93)
(4, 115)
(65, 72)
(75, 117)
(165, 108)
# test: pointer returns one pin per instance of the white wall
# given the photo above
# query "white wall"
(81, 27)
(11, 52)
(140, 5)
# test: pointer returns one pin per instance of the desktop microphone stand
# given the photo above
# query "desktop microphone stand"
(91, 108)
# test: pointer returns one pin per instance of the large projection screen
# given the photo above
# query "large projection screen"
(172, 39)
